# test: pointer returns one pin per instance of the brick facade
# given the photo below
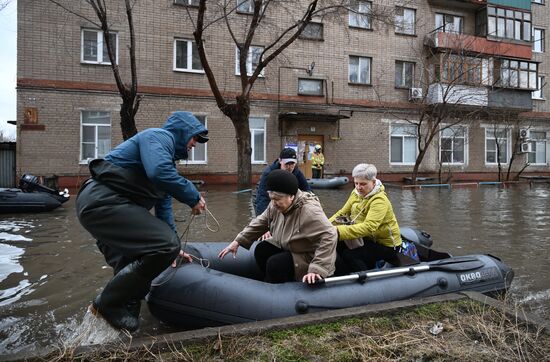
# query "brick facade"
(52, 80)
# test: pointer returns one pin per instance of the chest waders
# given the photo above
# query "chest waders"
(114, 207)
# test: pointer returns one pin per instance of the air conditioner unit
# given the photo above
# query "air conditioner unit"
(523, 133)
(526, 147)
(415, 93)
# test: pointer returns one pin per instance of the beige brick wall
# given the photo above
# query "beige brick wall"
(49, 50)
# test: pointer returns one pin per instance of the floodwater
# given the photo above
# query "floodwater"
(50, 268)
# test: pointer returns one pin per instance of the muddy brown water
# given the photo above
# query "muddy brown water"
(50, 268)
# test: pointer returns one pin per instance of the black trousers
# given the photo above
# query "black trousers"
(365, 257)
(277, 265)
(126, 232)
(316, 172)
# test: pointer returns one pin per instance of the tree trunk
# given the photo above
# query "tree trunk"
(127, 118)
(238, 113)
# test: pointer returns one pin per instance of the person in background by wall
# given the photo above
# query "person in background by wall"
(287, 161)
(371, 232)
(317, 162)
(113, 206)
(303, 245)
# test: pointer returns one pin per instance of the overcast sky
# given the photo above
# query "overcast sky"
(8, 61)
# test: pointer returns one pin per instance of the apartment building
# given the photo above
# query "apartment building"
(357, 84)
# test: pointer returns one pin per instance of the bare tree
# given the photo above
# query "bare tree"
(4, 4)
(128, 91)
(298, 15)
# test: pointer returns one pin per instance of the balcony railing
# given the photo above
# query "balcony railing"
(480, 45)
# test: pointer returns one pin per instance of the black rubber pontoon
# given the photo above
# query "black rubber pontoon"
(230, 290)
(31, 196)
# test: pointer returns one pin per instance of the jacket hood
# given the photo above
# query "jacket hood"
(183, 126)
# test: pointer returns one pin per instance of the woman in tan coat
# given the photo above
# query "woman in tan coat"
(303, 242)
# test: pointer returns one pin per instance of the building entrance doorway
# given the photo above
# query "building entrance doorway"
(306, 145)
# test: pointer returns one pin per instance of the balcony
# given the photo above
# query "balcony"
(479, 96)
(459, 4)
(479, 45)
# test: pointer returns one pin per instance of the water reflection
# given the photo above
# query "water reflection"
(50, 268)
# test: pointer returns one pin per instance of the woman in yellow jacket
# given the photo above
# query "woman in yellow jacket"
(373, 233)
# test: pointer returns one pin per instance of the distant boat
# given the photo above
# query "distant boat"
(31, 196)
(327, 183)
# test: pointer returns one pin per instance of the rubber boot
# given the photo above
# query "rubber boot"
(120, 300)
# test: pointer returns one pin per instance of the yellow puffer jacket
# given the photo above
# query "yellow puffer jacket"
(373, 218)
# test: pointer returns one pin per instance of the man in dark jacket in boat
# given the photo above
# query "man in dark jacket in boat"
(287, 161)
(114, 205)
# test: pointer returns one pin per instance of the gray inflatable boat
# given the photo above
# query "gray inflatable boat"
(230, 291)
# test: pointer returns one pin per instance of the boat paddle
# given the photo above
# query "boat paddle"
(458, 264)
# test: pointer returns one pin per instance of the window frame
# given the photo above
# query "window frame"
(452, 151)
(402, 137)
(538, 94)
(540, 41)
(443, 28)
(360, 16)
(515, 69)
(536, 142)
(403, 74)
(249, 64)
(359, 58)
(203, 118)
(189, 44)
(95, 127)
(307, 93)
(100, 49)
(308, 36)
(507, 138)
(193, 3)
(540, 2)
(505, 21)
(400, 25)
(253, 140)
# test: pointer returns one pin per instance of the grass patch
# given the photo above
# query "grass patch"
(471, 331)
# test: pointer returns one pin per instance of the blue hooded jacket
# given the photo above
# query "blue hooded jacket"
(154, 151)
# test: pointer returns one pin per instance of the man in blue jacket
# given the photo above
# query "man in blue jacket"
(287, 161)
(114, 205)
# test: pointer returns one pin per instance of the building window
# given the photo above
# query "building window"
(508, 24)
(187, 2)
(257, 134)
(245, 6)
(539, 93)
(310, 87)
(538, 154)
(252, 60)
(458, 69)
(359, 14)
(404, 74)
(94, 49)
(516, 74)
(538, 2)
(197, 155)
(186, 56)
(494, 136)
(359, 70)
(405, 20)
(452, 145)
(312, 31)
(95, 134)
(538, 40)
(403, 144)
(448, 23)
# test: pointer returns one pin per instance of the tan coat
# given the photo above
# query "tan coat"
(303, 229)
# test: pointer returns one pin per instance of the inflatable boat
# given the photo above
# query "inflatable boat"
(230, 291)
(31, 196)
(327, 183)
